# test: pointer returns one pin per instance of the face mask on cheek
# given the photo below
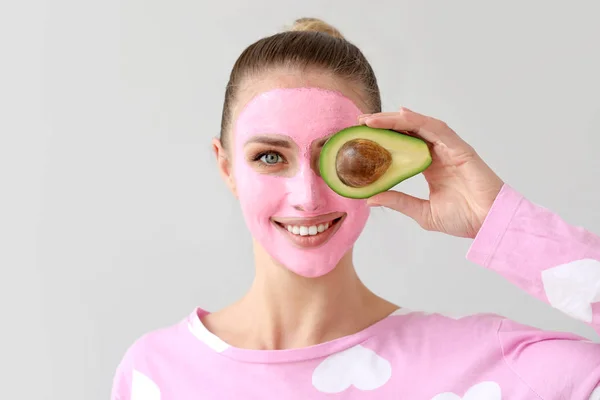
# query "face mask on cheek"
(304, 116)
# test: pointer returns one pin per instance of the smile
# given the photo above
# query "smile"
(309, 232)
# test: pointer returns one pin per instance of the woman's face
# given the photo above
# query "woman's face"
(276, 140)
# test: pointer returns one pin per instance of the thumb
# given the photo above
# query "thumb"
(412, 207)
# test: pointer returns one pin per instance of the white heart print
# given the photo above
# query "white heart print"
(143, 388)
(482, 391)
(357, 366)
(573, 287)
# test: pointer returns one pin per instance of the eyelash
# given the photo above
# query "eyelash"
(259, 155)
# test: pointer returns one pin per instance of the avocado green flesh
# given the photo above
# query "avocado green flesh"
(410, 156)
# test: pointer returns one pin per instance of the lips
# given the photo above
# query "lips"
(309, 232)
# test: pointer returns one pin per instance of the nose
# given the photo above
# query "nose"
(306, 191)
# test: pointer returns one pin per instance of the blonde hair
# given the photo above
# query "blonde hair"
(315, 25)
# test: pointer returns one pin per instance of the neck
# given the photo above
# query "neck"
(284, 310)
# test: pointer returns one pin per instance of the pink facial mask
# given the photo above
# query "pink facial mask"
(305, 116)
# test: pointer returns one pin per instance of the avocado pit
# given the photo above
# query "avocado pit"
(361, 162)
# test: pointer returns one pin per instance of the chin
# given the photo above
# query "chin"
(314, 262)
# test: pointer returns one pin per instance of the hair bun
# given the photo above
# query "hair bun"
(315, 25)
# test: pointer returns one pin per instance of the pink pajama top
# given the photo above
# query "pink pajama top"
(410, 355)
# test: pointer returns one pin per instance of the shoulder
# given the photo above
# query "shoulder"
(431, 337)
(428, 324)
(550, 363)
(508, 335)
(157, 341)
(137, 367)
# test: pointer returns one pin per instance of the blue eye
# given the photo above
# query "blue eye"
(271, 158)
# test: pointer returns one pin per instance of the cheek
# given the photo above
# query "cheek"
(354, 206)
(259, 195)
(358, 213)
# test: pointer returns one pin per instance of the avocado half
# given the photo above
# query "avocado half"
(358, 162)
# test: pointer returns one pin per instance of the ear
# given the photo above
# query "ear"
(224, 164)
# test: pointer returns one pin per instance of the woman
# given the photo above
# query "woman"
(308, 328)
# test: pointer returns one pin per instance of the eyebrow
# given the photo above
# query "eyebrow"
(270, 141)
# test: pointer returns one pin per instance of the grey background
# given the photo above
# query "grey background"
(114, 221)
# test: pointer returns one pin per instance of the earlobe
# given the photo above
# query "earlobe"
(224, 165)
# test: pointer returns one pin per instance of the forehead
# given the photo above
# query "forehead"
(303, 114)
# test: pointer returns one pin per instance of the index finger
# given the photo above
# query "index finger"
(428, 128)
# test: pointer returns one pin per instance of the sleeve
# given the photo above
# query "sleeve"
(559, 264)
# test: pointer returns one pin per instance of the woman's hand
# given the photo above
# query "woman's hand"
(462, 186)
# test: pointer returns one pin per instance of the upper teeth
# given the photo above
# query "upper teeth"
(307, 230)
